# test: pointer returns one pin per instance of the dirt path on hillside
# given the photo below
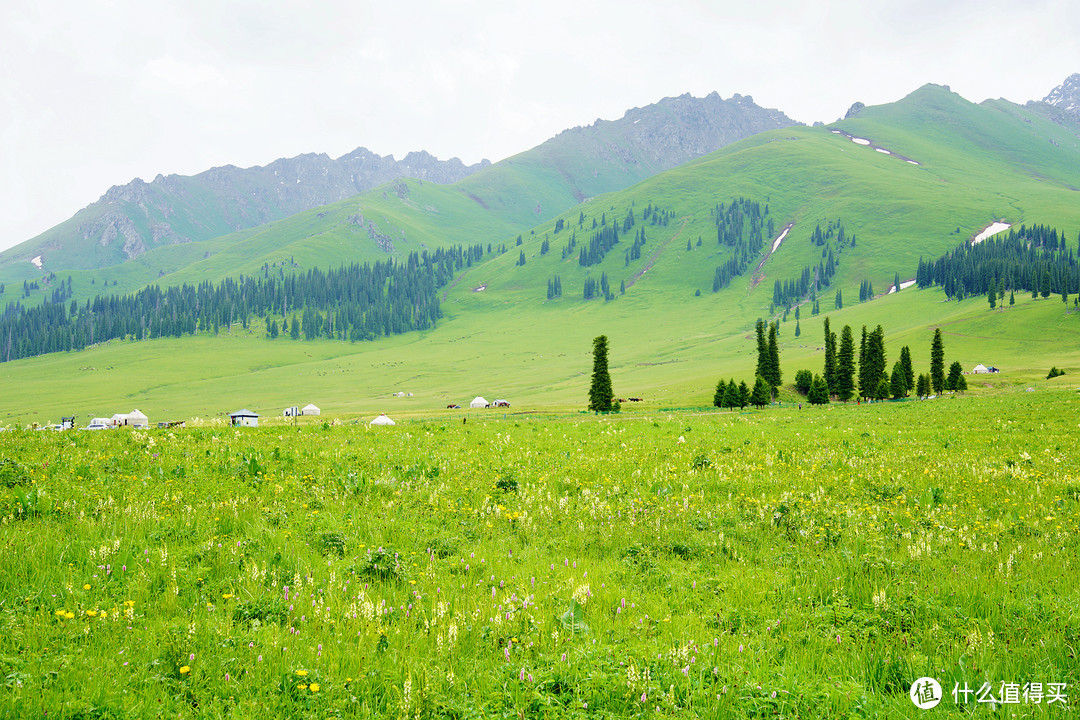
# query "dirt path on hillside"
(656, 253)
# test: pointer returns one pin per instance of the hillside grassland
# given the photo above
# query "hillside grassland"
(533, 353)
(790, 563)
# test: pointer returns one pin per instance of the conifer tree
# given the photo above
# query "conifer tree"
(718, 396)
(897, 383)
(956, 374)
(762, 349)
(744, 394)
(883, 389)
(845, 370)
(760, 395)
(937, 363)
(798, 330)
(775, 377)
(1012, 298)
(600, 392)
(839, 299)
(819, 391)
(909, 371)
(731, 395)
(922, 386)
(830, 371)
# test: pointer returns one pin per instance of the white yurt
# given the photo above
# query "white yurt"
(980, 369)
(310, 409)
(478, 402)
(137, 419)
(118, 419)
(383, 420)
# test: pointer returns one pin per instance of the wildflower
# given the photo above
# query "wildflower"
(313, 687)
(301, 673)
(86, 587)
(184, 670)
(227, 596)
(92, 613)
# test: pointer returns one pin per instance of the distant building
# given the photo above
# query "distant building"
(244, 418)
(311, 409)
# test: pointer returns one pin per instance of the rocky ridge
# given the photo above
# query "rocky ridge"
(1066, 96)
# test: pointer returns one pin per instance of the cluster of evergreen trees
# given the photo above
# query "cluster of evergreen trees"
(742, 222)
(740, 225)
(597, 289)
(357, 302)
(813, 279)
(602, 240)
(1036, 260)
(732, 395)
(554, 287)
(872, 380)
(866, 291)
(832, 229)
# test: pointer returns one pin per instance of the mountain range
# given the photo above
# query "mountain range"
(128, 220)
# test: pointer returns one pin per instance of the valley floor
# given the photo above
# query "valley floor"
(785, 563)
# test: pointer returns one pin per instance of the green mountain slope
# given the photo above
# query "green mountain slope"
(951, 169)
(176, 214)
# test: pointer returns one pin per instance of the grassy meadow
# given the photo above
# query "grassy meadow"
(781, 563)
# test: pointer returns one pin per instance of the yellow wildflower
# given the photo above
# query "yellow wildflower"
(313, 687)
(185, 669)
(301, 673)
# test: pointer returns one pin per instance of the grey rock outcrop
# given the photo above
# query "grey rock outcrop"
(1066, 96)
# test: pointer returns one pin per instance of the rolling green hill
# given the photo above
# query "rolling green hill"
(176, 219)
(951, 168)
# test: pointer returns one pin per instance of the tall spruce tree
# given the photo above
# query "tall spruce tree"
(922, 386)
(600, 393)
(845, 369)
(774, 377)
(873, 369)
(762, 350)
(937, 363)
(909, 371)
(830, 371)
(864, 380)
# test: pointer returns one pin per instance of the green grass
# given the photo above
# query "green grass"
(779, 563)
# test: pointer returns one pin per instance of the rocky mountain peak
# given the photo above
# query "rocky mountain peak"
(1066, 96)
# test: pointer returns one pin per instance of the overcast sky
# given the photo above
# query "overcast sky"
(94, 94)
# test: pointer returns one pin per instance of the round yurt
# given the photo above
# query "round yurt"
(382, 420)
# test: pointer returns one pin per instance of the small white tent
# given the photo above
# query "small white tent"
(980, 368)
(118, 419)
(382, 420)
(310, 409)
(478, 402)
